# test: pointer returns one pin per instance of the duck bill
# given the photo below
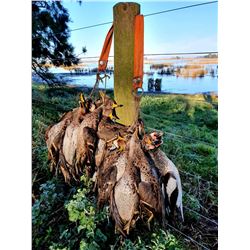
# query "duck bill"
(115, 105)
(114, 114)
(82, 98)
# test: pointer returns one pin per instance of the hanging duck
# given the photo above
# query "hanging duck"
(171, 183)
(55, 134)
(170, 178)
(124, 198)
(80, 140)
(108, 128)
(108, 173)
(151, 198)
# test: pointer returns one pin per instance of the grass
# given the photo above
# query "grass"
(190, 126)
(189, 123)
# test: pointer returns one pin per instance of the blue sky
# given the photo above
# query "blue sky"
(188, 30)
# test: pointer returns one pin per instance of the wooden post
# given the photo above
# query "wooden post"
(124, 15)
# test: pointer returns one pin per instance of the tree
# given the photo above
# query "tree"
(50, 33)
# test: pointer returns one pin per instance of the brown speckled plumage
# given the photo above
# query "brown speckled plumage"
(149, 188)
(54, 137)
(124, 200)
(132, 175)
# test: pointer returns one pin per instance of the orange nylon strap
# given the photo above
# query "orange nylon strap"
(103, 60)
(138, 52)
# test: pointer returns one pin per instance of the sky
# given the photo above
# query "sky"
(187, 30)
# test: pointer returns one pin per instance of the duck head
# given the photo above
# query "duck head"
(91, 105)
(98, 103)
(121, 142)
(152, 141)
(147, 143)
(112, 115)
(109, 106)
(156, 138)
(87, 104)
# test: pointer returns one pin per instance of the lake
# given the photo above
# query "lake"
(170, 83)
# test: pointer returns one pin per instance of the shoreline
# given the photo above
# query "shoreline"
(157, 93)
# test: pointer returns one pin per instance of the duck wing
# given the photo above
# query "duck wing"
(107, 129)
(85, 149)
(149, 187)
(108, 173)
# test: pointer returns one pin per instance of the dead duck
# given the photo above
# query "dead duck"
(79, 143)
(108, 128)
(87, 133)
(80, 138)
(76, 131)
(149, 188)
(108, 173)
(137, 189)
(85, 151)
(169, 174)
(110, 164)
(171, 183)
(53, 137)
(55, 133)
(124, 198)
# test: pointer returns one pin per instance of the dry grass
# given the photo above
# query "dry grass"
(193, 66)
(205, 61)
(192, 71)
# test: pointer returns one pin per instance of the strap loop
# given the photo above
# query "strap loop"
(138, 56)
(103, 60)
(138, 52)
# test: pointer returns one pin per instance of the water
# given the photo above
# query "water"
(170, 83)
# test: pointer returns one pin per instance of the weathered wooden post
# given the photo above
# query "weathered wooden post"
(124, 16)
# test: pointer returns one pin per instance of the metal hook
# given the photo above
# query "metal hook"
(135, 91)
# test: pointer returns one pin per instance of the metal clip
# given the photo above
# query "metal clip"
(137, 84)
(135, 91)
